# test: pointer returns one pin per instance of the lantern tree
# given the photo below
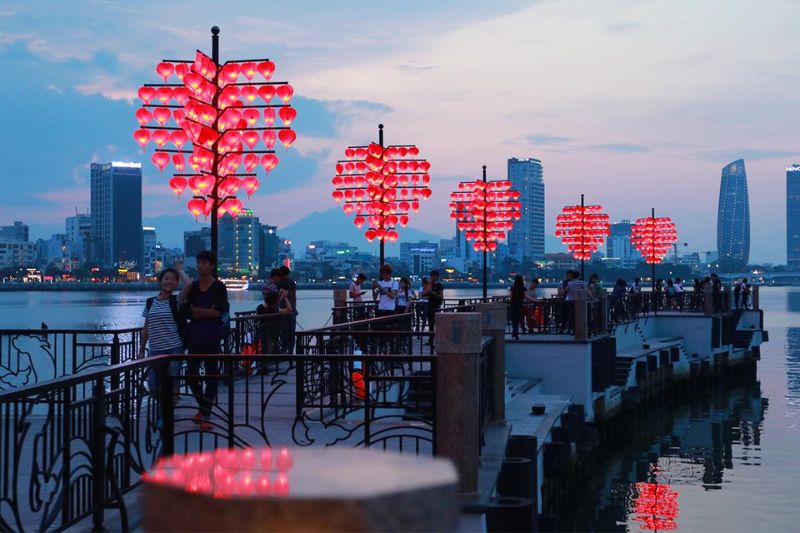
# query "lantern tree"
(381, 186)
(582, 228)
(221, 120)
(655, 506)
(485, 211)
(653, 237)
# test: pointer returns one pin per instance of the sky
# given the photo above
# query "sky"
(636, 104)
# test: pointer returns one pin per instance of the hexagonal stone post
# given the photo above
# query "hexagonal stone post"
(458, 348)
(493, 323)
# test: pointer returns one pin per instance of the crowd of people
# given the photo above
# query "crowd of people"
(393, 296)
(197, 318)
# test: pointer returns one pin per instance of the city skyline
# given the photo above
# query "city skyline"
(662, 129)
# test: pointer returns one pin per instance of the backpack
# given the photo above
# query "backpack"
(177, 314)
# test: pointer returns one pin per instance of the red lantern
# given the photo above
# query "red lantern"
(165, 70)
(287, 115)
(250, 185)
(287, 137)
(653, 237)
(178, 185)
(482, 211)
(285, 93)
(583, 229)
(216, 122)
(369, 183)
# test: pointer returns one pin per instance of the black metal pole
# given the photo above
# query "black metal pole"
(653, 243)
(382, 241)
(215, 162)
(583, 232)
(485, 269)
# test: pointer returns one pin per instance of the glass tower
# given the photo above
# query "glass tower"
(793, 216)
(733, 218)
(116, 210)
(526, 240)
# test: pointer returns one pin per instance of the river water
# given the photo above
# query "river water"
(729, 461)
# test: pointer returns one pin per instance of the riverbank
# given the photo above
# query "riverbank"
(143, 286)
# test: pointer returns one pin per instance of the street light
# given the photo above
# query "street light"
(582, 228)
(381, 186)
(213, 127)
(485, 211)
(653, 237)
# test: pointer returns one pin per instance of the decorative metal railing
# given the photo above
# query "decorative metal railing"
(30, 356)
(71, 447)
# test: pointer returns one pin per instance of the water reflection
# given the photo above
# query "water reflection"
(793, 357)
(694, 445)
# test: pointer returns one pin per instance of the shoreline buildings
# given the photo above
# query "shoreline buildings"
(733, 218)
(526, 240)
(793, 216)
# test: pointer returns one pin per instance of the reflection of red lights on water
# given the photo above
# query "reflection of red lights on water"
(655, 506)
(227, 473)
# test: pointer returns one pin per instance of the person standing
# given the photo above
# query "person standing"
(207, 302)
(515, 306)
(386, 290)
(737, 291)
(421, 305)
(356, 293)
(596, 287)
(745, 293)
(435, 299)
(276, 305)
(405, 296)
(289, 321)
(164, 326)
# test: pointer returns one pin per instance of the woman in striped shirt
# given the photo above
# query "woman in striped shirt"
(163, 326)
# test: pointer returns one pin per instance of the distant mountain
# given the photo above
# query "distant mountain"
(333, 225)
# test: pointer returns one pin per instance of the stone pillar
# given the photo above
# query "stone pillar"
(458, 347)
(602, 313)
(339, 300)
(754, 297)
(580, 317)
(708, 301)
(493, 323)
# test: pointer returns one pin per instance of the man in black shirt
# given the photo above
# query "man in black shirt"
(288, 321)
(435, 299)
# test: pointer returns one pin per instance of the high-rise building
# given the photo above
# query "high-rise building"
(16, 232)
(420, 257)
(793, 216)
(58, 252)
(269, 247)
(733, 218)
(239, 240)
(526, 240)
(619, 247)
(79, 236)
(195, 242)
(116, 207)
(150, 243)
(14, 253)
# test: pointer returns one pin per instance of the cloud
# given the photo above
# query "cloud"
(622, 27)
(624, 148)
(545, 138)
(746, 153)
(414, 66)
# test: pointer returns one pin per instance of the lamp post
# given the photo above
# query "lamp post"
(653, 237)
(214, 126)
(381, 186)
(485, 211)
(582, 228)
